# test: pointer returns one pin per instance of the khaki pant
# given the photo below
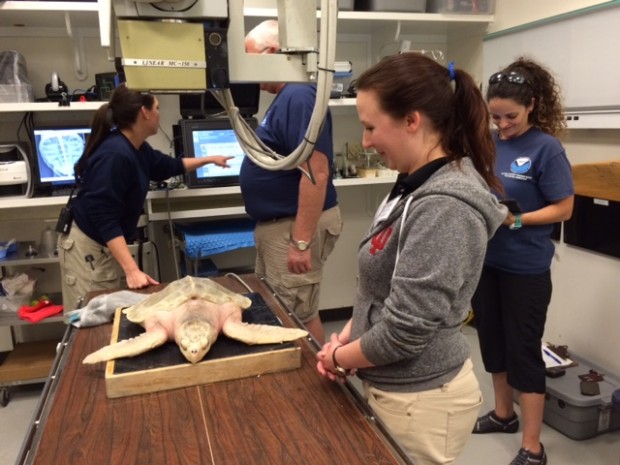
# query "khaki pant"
(79, 276)
(432, 426)
(300, 292)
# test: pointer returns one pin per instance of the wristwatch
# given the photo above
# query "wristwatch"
(300, 245)
(517, 224)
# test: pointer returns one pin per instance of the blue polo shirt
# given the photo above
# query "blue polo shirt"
(274, 194)
(535, 172)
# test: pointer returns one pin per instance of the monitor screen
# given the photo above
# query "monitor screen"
(203, 138)
(57, 150)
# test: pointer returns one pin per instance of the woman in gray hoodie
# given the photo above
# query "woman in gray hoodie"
(421, 260)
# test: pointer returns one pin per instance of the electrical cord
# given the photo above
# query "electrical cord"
(77, 93)
(156, 249)
(161, 130)
(172, 237)
(241, 281)
(26, 124)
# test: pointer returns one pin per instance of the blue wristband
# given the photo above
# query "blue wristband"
(517, 224)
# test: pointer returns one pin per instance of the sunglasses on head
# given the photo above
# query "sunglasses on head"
(513, 77)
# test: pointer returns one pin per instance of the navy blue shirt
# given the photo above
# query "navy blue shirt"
(534, 171)
(274, 194)
(114, 187)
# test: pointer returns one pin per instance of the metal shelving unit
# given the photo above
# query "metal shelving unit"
(27, 363)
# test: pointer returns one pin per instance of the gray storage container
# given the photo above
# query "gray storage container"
(476, 7)
(343, 5)
(576, 415)
(409, 6)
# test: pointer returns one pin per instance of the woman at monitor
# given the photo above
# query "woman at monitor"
(113, 176)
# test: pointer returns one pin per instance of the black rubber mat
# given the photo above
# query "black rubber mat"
(170, 355)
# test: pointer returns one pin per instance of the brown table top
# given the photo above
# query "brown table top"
(292, 417)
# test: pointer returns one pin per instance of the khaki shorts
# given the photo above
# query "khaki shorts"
(299, 292)
(79, 277)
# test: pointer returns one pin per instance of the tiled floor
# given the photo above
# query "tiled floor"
(14, 420)
(481, 449)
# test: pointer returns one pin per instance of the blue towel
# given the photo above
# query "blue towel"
(213, 237)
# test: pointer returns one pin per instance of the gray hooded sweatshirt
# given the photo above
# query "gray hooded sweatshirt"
(409, 309)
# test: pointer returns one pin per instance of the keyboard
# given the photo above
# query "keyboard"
(64, 191)
(55, 192)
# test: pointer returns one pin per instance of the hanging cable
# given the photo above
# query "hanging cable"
(254, 148)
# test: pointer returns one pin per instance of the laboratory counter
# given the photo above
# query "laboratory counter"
(289, 417)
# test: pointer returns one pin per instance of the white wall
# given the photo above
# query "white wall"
(585, 309)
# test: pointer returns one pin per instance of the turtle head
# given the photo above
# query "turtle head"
(195, 338)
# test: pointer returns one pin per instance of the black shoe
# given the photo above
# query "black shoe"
(491, 423)
(525, 457)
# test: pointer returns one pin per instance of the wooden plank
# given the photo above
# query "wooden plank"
(162, 379)
(165, 368)
(598, 180)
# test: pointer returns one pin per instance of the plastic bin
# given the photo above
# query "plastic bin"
(480, 7)
(14, 83)
(576, 415)
(408, 6)
(343, 5)
(16, 93)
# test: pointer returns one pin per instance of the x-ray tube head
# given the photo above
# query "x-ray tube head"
(163, 56)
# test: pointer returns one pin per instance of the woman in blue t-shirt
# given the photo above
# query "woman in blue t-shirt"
(514, 292)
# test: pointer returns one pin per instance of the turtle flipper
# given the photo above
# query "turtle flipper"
(129, 347)
(260, 334)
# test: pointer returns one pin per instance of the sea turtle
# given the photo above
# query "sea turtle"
(192, 312)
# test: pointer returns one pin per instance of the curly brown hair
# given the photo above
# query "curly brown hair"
(548, 114)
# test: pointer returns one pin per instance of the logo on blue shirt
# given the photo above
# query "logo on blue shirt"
(521, 165)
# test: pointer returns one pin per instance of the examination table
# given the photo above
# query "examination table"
(290, 418)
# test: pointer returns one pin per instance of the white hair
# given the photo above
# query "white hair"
(265, 35)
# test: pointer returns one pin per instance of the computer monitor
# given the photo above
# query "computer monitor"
(57, 150)
(203, 138)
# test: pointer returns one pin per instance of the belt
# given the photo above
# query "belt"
(277, 218)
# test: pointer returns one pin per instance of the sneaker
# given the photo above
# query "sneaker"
(525, 457)
(491, 423)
